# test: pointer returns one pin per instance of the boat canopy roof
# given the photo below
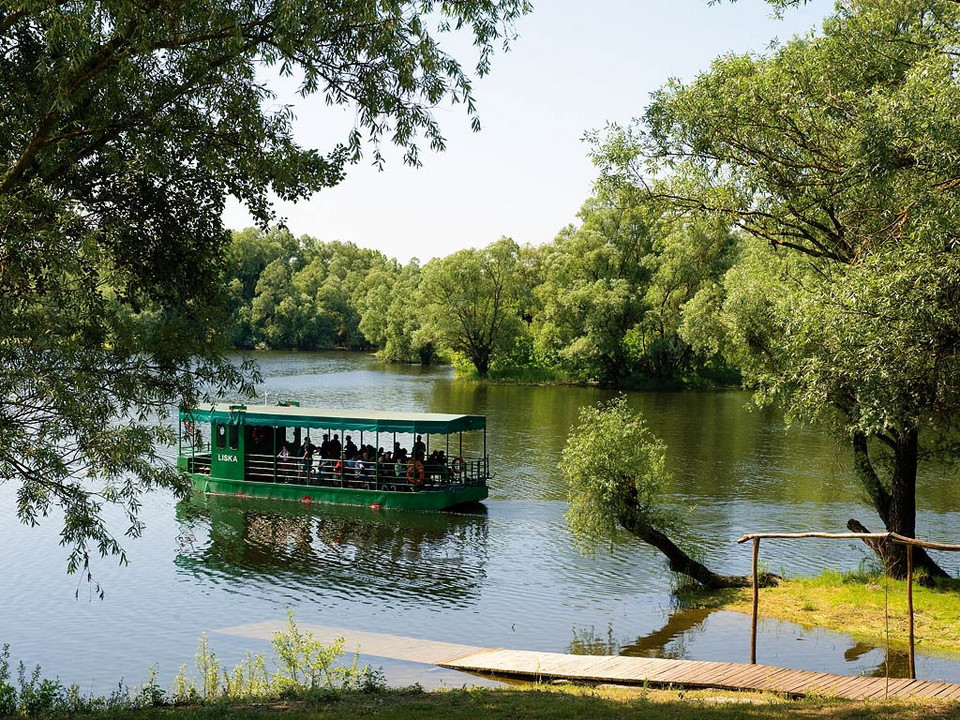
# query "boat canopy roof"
(330, 419)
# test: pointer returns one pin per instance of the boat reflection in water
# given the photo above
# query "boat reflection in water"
(285, 551)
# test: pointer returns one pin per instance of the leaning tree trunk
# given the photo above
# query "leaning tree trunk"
(682, 563)
(897, 507)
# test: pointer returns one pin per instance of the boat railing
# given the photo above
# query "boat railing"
(365, 475)
(186, 448)
(198, 463)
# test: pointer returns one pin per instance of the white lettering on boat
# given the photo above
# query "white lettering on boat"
(227, 458)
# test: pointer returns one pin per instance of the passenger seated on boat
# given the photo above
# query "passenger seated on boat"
(365, 467)
(438, 465)
(433, 464)
(328, 468)
(284, 466)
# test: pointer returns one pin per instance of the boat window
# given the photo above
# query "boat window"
(221, 436)
(234, 437)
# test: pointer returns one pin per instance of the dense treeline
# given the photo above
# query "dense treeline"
(601, 303)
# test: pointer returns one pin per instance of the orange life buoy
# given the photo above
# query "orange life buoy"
(457, 465)
(415, 472)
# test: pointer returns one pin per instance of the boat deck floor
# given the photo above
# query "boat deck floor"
(654, 672)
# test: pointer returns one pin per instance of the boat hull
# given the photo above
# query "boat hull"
(428, 499)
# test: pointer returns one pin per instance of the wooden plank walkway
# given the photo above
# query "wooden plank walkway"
(612, 668)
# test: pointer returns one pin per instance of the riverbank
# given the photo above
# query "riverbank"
(869, 607)
(555, 703)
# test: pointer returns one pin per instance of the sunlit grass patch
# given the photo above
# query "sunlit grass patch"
(563, 703)
(863, 604)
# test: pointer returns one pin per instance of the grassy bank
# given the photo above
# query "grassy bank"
(863, 605)
(553, 703)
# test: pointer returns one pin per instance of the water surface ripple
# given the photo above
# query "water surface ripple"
(505, 575)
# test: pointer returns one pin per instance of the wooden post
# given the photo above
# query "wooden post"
(910, 655)
(756, 602)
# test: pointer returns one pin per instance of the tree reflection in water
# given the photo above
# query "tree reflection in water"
(671, 641)
(353, 552)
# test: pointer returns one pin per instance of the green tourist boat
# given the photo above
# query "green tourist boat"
(271, 451)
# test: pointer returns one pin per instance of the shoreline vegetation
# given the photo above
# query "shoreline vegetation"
(310, 681)
(310, 684)
(864, 605)
(552, 702)
(511, 313)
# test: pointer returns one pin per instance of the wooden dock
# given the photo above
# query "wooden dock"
(654, 672)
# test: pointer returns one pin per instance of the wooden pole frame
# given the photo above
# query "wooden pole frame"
(911, 657)
(756, 601)
(910, 543)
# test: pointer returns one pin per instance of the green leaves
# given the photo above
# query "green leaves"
(473, 301)
(835, 156)
(124, 128)
(615, 470)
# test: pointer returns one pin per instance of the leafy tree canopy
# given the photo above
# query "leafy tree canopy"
(616, 475)
(472, 301)
(836, 149)
(124, 128)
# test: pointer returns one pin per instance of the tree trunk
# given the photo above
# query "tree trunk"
(920, 557)
(897, 507)
(481, 361)
(903, 501)
(682, 563)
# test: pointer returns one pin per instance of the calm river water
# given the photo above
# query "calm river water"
(507, 576)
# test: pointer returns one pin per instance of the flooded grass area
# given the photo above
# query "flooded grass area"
(868, 606)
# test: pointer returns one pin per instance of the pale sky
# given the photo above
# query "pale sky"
(574, 67)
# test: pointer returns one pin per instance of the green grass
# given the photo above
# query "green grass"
(557, 703)
(862, 604)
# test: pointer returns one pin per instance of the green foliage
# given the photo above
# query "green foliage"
(300, 293)
(303, 661)
(8, 693)
(305, 668)
(832, 147)
(392, 314)
(833, 153)
(615, 469)
(472, 301)
(125, 128)
(38, 697)
(614, 290)
(150, 693)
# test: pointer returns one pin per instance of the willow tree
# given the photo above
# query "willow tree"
(124, 128)
(837, 153)
(615, 468)
(471, 301)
